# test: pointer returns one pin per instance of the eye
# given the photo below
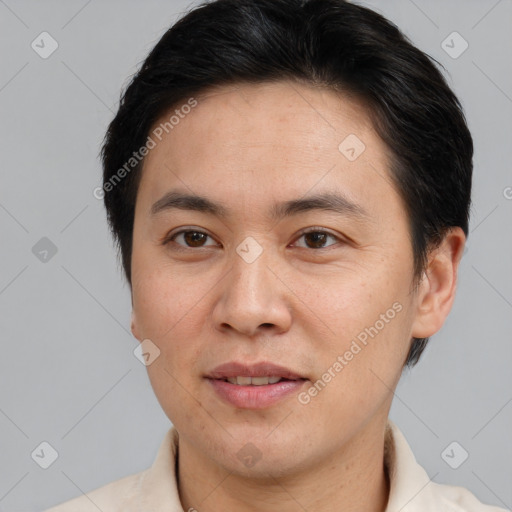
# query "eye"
(190, 238)
(317, 239)
(314, 238)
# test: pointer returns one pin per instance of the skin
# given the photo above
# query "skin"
(300, 304)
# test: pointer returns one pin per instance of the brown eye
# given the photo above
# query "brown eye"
(191, 238)
(317, 239)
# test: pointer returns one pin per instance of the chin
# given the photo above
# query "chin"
(272, 465)
(260, 452)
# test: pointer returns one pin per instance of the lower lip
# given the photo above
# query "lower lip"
(255, 397)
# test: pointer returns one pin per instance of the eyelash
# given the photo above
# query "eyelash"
(171, 238)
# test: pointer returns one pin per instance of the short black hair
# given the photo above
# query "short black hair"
(332, 43)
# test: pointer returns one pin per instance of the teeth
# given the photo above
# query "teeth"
(253, 381)
(260, 381)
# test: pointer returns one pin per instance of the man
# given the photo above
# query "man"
(289, 185)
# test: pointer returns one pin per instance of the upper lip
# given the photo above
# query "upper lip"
(262, 369)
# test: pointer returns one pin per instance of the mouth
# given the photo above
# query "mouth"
(262, 370)
(254, 386)
(241, 380)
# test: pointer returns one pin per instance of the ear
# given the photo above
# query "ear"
(436, 290)
(134, 328)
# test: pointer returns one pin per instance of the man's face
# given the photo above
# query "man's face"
(246, 285)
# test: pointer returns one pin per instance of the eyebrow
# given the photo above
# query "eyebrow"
(327, 201)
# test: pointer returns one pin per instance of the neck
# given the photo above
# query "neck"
(353, 478)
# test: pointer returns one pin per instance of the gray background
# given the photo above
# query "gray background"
(69, 376)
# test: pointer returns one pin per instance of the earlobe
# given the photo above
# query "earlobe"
(436, 290)
(133, 326)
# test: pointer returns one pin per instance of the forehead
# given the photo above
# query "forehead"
(260, 139)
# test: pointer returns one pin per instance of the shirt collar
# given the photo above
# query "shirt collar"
(410, 487)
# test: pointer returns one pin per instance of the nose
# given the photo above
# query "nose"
(253, 299)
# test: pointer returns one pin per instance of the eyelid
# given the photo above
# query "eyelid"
(319, 229)
(169, 237)
(312, 229)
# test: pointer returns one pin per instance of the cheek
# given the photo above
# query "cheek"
(359, 373)
(365, 324)
(345, 303)
(164, 302)
(174, 325)
(170, 310)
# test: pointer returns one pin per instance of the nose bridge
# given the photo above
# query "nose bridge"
(250, 277)
(251, 294)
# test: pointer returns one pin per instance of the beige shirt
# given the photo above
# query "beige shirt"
(155, 489)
